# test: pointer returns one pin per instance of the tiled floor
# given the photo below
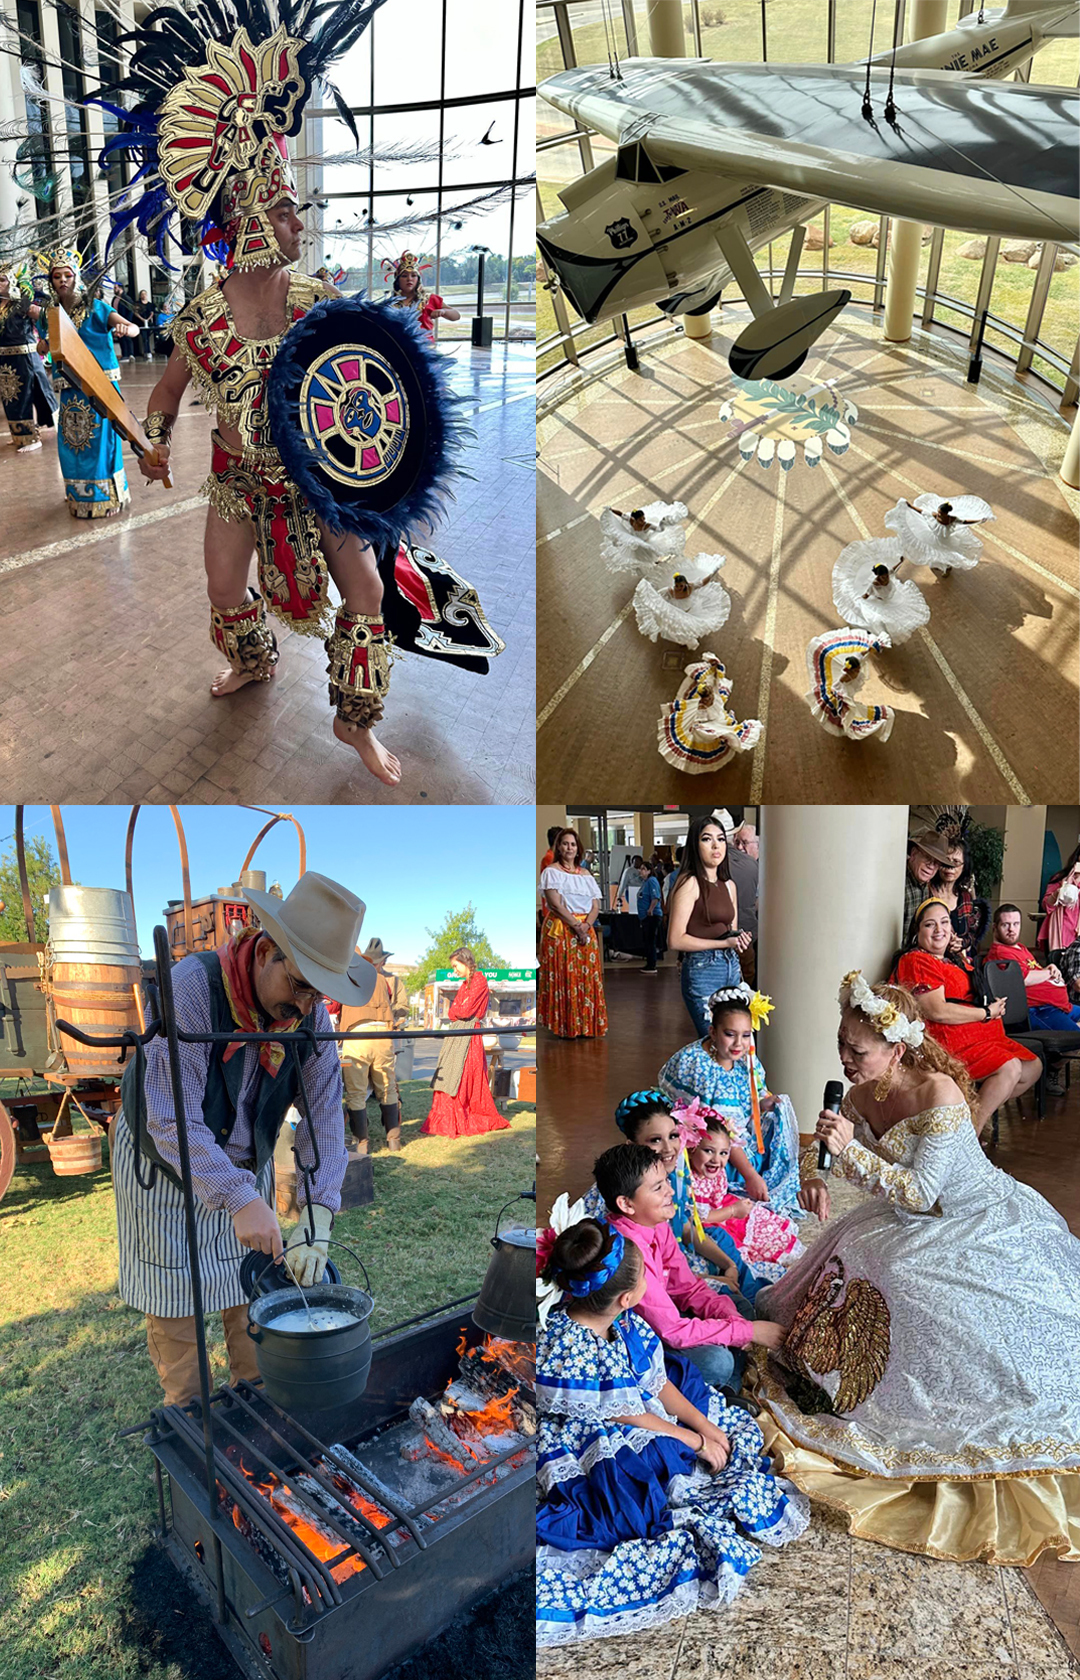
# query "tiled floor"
(830, 1607)
(107, 662)
(985, 695)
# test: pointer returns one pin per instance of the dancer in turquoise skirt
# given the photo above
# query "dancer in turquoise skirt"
(90, 449)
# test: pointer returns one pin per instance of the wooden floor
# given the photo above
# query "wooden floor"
(982, 693)
(581, 1081)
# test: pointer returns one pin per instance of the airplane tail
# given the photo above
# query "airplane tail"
(1055, 23)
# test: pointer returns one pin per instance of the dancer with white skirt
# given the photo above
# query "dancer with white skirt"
(697, 732)
(867, 592)
(837, 662)
(693, 604)
(937, 533)
(639, 540)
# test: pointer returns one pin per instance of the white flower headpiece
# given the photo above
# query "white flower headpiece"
(563, 1216)
(889, 1021)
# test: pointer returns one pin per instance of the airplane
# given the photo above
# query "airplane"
(716, 160)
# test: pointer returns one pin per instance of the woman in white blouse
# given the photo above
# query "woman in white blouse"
(570, 996)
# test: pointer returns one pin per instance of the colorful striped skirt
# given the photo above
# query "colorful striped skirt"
(570, 993)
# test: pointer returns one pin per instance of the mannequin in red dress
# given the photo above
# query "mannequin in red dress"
(463, 1105)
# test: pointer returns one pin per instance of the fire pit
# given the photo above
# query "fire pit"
(343, 1552)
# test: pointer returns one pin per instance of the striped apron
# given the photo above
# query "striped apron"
(155, 1276)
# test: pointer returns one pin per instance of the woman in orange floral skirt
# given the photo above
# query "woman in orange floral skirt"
(463, 1105)
(571, 991)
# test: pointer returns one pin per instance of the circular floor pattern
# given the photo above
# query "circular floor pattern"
(985, 695)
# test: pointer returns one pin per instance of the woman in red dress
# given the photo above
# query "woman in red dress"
(969, 1030)
(463, 1105)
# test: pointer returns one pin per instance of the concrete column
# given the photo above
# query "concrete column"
(1021, 870)
(831, 898)
(1070, 466)
(585, 833)
(644, 833)
(666, 36)
(928, 17)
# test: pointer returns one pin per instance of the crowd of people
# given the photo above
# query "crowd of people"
(705, 1372)
(700, 900)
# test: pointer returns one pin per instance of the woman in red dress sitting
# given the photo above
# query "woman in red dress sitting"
(941, 980)
(463, 1104)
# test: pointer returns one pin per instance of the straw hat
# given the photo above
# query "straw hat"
(318, 926)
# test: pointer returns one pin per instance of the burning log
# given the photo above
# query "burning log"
(437, 1433)
(484, 1375)
(366, 1481)
(463, 1427)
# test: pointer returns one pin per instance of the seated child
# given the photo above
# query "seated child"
(717, 1070)
(684, 1312)
(645, 1117)
(654, 1499)
(767, 1241)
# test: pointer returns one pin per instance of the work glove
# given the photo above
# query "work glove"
(307, 1260)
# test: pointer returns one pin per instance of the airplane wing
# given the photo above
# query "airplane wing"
(980, 156)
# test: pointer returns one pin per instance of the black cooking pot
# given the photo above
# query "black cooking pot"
(306, 1370)
(506, 1305)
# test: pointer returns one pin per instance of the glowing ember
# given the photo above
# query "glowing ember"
(323, 1544)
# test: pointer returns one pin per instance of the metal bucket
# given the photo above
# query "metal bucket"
(254, 878)
(92, 925)
(93, 968)
(305, 1370)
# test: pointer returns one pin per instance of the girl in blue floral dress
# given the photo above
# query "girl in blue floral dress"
(654, 1498)
(717, 1071)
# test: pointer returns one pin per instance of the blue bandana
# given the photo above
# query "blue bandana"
(604, 1272)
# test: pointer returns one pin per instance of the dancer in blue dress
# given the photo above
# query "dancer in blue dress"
(90, 449)
(717, 1070)
(655, 1495)
(646, 1117)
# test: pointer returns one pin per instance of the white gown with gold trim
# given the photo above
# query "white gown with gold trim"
(934, 1347)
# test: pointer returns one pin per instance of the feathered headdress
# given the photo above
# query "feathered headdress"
(218, 87)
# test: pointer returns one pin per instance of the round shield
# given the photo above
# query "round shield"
(360, 414)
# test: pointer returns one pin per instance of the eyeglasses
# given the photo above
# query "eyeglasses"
(300, 987)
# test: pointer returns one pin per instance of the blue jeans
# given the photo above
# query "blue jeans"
(1048, 1018)
(702, 973)
(721, 1367)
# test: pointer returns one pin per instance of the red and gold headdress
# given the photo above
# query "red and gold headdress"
(215, 106)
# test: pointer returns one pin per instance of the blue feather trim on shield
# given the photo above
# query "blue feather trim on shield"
(362, 414)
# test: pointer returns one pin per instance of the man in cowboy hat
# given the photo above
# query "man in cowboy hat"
(269, 977)
(927, 852)
(387, 1007)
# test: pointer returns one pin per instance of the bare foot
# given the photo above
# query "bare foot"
(382, 764)
(229, 681)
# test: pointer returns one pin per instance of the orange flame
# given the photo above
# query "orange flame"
(322, 1546)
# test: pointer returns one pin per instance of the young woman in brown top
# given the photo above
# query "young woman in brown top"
(703, 920)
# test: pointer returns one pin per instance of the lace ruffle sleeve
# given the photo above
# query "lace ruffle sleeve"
(579, 1376)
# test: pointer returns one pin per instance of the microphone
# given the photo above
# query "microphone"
(834, 1096)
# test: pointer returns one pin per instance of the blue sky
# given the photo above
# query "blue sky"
(409, 865)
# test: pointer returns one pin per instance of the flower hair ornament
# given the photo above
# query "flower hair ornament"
(563, 1216)
(759, 1006)
(631, 1106)
(690, 1118)
(888, 1020)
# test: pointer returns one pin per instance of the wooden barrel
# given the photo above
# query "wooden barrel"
(98, 998)
(92, 972)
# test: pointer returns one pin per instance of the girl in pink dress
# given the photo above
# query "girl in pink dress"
(766, 1240)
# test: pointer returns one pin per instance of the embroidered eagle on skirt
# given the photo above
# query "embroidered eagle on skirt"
(841, 1326)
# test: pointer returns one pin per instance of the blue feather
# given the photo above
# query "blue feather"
(447, 431)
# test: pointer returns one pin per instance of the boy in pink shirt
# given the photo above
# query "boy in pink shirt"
(685, 1313)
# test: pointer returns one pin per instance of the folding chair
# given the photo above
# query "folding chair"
(1005, 980)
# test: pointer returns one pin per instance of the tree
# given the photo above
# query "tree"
(43, 872)
(459, 928)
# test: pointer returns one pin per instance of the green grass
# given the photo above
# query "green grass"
(77, 1502)
(796, 34)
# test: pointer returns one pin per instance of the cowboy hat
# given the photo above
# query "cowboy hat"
(375, 952)
(318, 926)
(933, 844)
